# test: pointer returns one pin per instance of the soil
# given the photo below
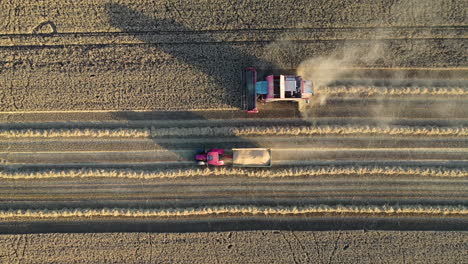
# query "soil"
(238, 247)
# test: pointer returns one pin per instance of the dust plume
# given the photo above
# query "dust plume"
(324, 70)
(346, 62)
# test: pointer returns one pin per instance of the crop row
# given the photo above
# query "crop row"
(386, 91)
(207, 172)
(312, 131)
(243, 210)
(238, 131)
(91, 133)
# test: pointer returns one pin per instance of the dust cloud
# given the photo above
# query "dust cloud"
(347, 60)
(324, 70)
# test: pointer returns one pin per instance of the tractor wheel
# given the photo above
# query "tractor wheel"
(201, 151)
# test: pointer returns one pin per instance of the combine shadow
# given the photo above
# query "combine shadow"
(149, 30)
(209, 56)
(221, 61)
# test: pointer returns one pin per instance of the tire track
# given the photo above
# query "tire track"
(318, 121)
(300, 142)
(300, 35)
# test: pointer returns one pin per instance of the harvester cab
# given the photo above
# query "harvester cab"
(273, 88)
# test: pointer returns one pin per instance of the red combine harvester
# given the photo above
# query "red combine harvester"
(273, 88)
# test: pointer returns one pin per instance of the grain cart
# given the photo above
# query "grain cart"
(241, 157)
(273, 88)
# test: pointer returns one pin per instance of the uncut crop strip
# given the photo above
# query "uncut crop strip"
(71, 133)
(383, 91)
(238, 210)
(238, 131)
(207, 172)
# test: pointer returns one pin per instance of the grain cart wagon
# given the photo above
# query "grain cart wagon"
(273, 88)
(241, 157)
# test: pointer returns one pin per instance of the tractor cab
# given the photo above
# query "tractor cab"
(212, 157)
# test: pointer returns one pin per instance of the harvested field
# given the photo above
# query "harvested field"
(141, 163)
(103, 106)
(243, 247)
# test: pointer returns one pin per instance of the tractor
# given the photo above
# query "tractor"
(241, 157)
(214, 157)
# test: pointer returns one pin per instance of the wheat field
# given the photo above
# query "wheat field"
(104, 105)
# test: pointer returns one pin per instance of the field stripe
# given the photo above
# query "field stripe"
(311, 171)
(312, 130)
(291, 156)
(389, 91)
(47, 122)
(276, 150)
(238, 131)
(280, 142)
(238, 210)
(303, 35)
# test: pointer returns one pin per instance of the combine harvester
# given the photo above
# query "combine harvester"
(273, 88)
(241, 157)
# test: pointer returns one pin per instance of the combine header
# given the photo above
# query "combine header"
(273, 88)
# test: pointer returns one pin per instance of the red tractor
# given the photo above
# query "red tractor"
(241, 157)
(214, 157)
